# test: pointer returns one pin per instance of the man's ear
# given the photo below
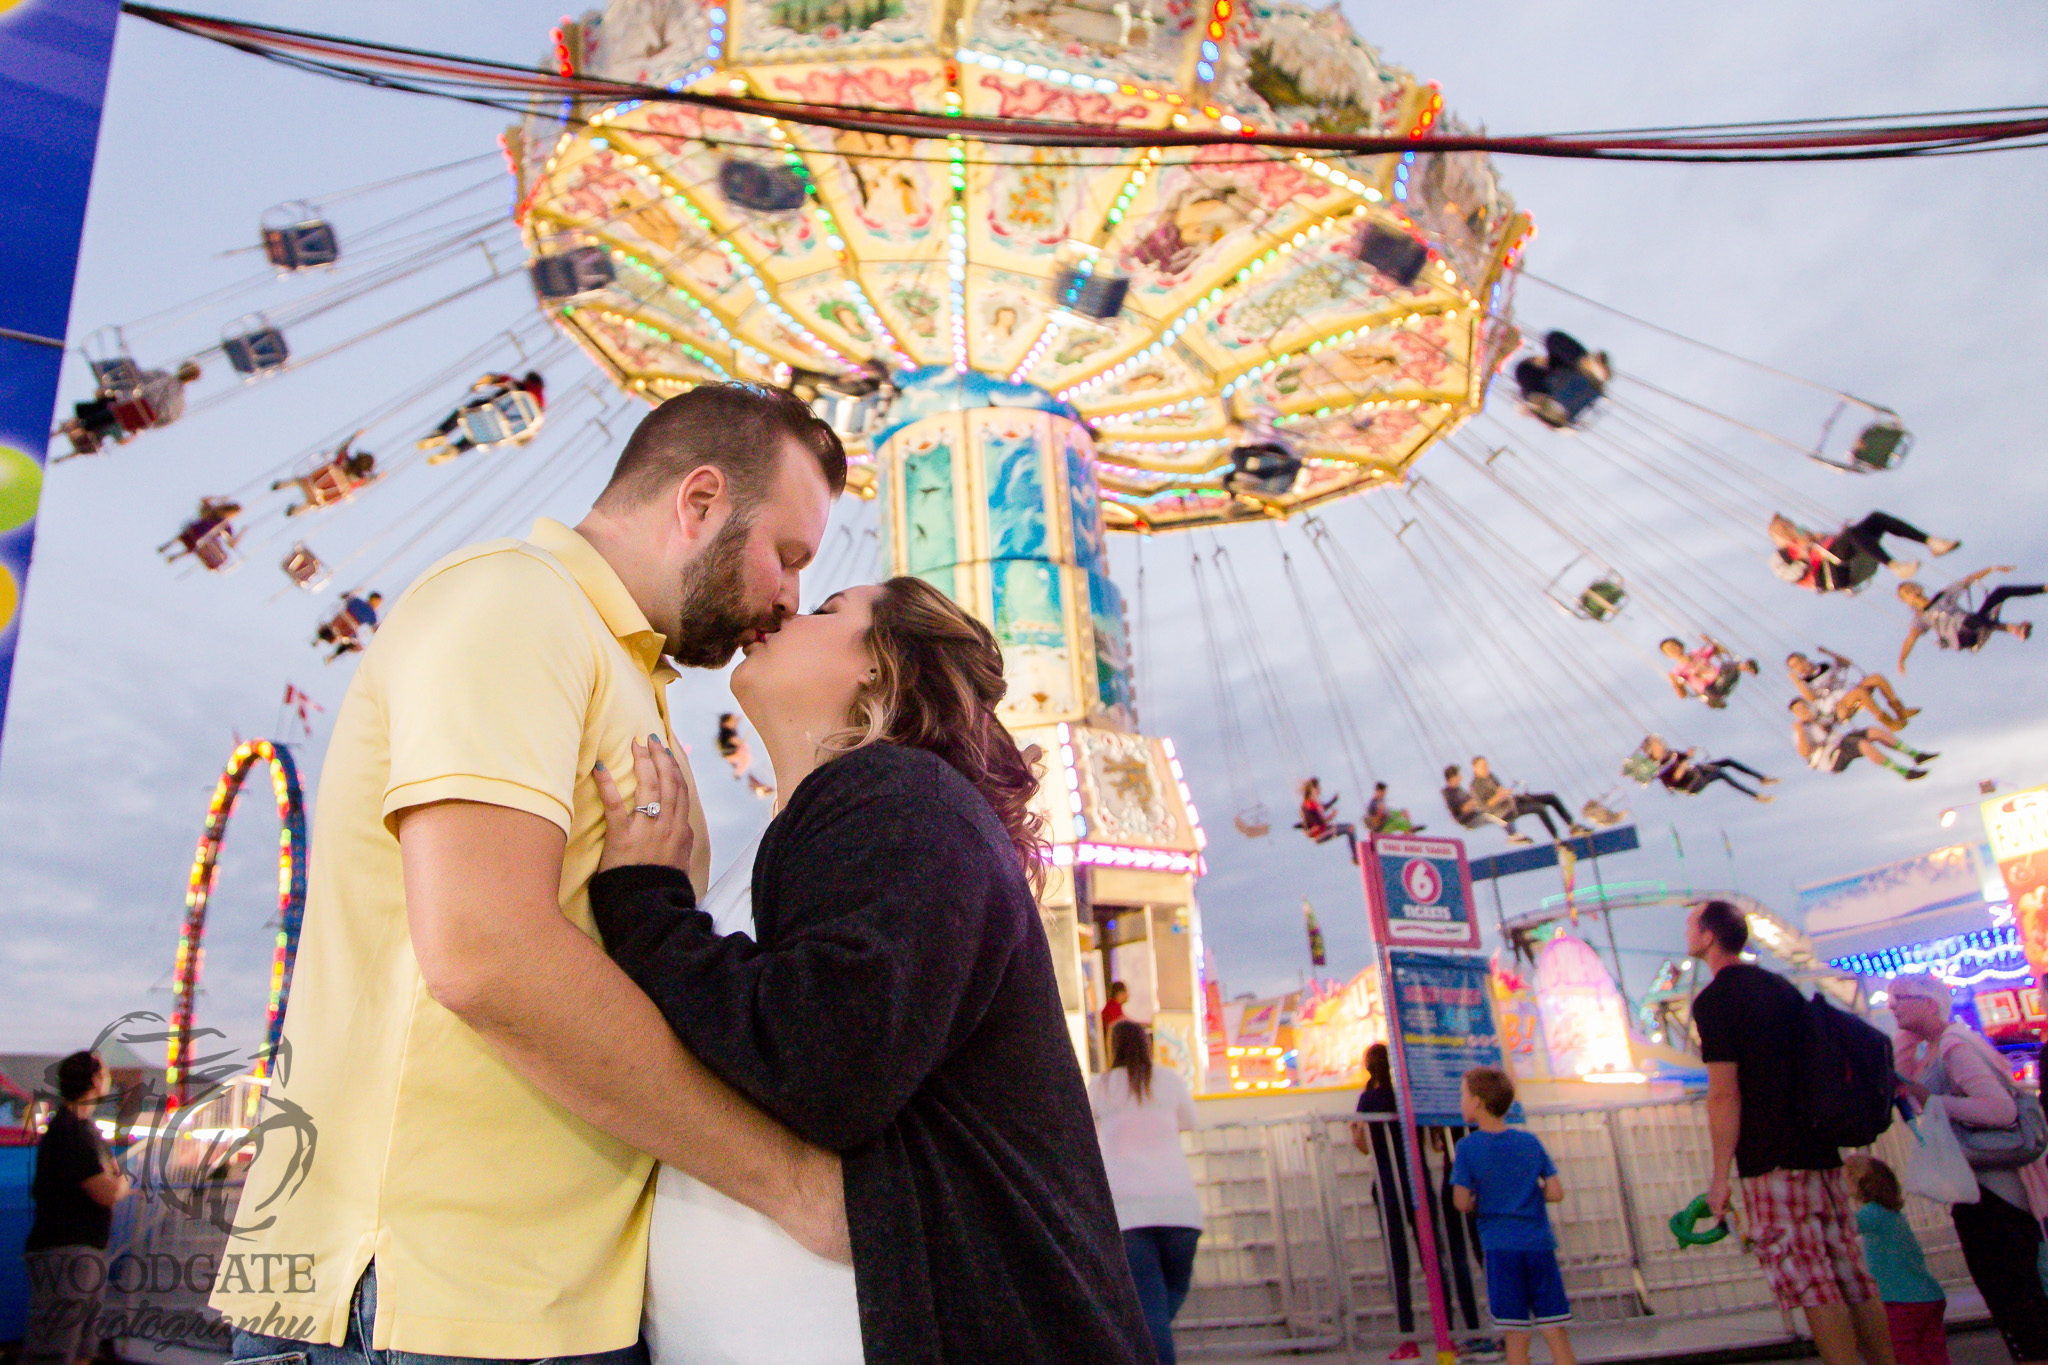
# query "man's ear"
(700, 495)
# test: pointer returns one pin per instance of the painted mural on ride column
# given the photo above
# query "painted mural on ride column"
(1114, 686)
(1027, 601)
(931, 520)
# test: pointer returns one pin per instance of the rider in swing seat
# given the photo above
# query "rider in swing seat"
(1850, 557)
(1316, 817)
(1466, 809)
(449, 440)
(1828, 748)
(1511, 806)
(1684, 772)
(1558, 389)
(1380, 818)
(1709, 672)
(1947, 615)
(1837, 696)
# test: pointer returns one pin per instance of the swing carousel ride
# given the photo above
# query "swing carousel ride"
(1028, 338)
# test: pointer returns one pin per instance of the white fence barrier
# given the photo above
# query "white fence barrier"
(1294, 1249)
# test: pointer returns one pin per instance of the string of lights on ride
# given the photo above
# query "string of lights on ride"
(205, 873)
(956, 250)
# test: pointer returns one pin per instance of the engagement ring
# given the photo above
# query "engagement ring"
(651, 810)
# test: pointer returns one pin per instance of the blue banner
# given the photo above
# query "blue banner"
(1446, 1028)
(53, 78)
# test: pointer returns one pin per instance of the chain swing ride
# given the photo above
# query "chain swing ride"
(1053, 270)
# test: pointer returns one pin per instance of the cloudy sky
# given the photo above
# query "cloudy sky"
(1915, 283)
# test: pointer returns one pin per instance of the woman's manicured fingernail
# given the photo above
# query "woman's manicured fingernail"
(653, 740)
(601, 767)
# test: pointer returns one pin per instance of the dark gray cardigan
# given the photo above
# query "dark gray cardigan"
(897, 1004)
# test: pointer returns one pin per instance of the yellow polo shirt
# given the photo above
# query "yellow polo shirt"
(501, 1226)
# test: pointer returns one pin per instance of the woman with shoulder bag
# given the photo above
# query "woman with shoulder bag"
(2001, 1232)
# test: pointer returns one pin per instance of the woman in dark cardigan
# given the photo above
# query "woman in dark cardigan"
(896, 1002)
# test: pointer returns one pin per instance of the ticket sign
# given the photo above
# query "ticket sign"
(1420, 891)
(2018, 826)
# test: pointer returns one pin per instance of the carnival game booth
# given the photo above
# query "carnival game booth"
(1944, 912)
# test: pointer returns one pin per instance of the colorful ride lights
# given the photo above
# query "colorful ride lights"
(1124, 855)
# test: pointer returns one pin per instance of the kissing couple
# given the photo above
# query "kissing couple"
(575, 1104)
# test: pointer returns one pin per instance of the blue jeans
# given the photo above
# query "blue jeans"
(251, 1349)
(1162, 1265)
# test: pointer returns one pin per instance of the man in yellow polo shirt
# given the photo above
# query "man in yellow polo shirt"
(486, 1092)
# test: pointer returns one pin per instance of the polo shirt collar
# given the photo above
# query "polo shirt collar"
(600, 583)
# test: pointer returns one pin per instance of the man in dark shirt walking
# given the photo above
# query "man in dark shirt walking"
(76, 1187)
(1794, 1197)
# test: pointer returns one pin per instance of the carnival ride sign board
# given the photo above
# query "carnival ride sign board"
(53, 77)
(2018, 825)
(1420, 893)
(1446, 1027)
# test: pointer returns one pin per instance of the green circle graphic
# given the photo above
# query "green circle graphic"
(21, 488)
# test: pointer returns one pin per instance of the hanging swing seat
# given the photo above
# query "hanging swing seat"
(216, 549)
(116, 375)
(1601, 596)
(1602, 600)
(1395, 254)
(759, 186)
(1640, 767)
(329, 483)
(254, 347)
(1093, 293)
(305, 568)
(511, 416)
(137, 411)
(561, 276)
(342, 631)
(1252, 822)
(296, 237)
(1881, 445)
(1266, 470)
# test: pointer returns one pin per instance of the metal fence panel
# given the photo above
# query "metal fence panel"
(1294, 1253)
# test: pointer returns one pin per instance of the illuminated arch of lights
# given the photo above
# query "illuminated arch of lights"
(291, 902)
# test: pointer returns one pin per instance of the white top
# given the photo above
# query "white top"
(725, 1286)
(1148, 1175)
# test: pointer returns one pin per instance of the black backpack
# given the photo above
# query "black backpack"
(1846, 1083)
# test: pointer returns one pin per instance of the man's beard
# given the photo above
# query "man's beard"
(712, 621)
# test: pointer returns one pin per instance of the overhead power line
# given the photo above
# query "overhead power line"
(510, 88)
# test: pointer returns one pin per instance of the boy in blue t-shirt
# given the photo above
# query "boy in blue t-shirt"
(1506, 1177)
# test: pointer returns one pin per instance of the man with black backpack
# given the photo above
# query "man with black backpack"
(1757, 1034)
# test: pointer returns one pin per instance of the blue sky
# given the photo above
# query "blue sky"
(1915, 283)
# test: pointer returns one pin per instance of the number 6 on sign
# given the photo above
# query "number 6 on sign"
(1420, 892)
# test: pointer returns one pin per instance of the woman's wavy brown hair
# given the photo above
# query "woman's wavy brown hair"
(938, 679)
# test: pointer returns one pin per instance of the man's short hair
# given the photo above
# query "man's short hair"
(1725, 924)
(1451, 773)
(76, 1074)
(1493, 1088)
(742, 429)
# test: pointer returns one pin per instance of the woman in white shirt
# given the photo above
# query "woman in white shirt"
(1140, 1113)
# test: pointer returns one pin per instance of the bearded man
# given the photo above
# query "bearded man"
(489, 1092)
